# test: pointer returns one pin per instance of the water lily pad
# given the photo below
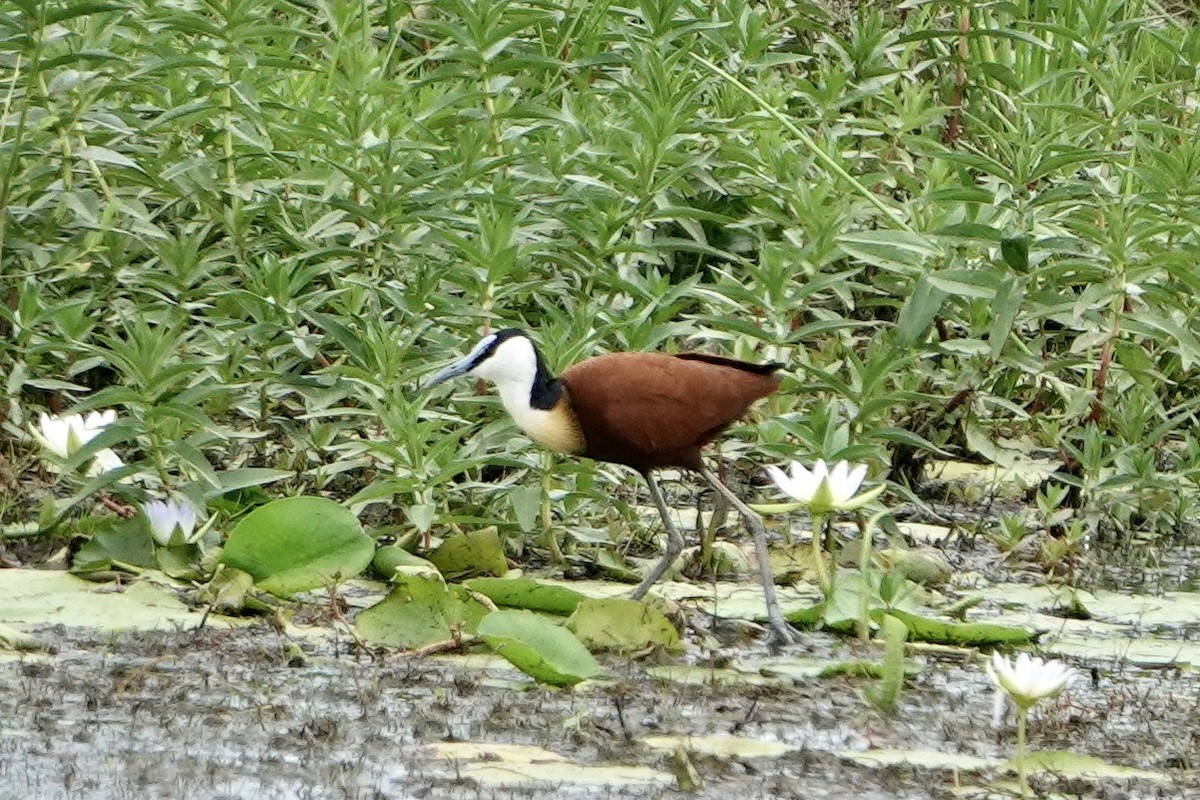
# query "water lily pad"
(538, 647)
(924, 532)
(623, 626)
(473, 553)
(692, 675)
(927, 759)
(925, 565)
(515, 765)
(13, 639)
(298, 543)
(1075, 765)
(122, 544)
(973, 634)
(45, 597)
(390, 557)
(724, 559)
(230, 591)
(722, 746)
(808, 616)
(1018, 474)
(1146, 652)
(528, 593)
(421, 609)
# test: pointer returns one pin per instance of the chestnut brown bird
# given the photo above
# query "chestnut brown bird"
(645, 410)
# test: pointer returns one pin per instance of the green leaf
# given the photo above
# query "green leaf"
(1015, 250)
(298, 543)
(472, 553)
(895, 251)
(965, 282)
(624, 626)
(526, 502)
(74, 10)
(228, 590)
(1004, 313)
(970, 634)
(391, 557)
(528, 593)
(919, 311)
(767, 509)
(419, 610)
(103, 155)
(539, 648)
(233, 479)
(123, 543)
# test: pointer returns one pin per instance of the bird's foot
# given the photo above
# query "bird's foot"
(781, 635)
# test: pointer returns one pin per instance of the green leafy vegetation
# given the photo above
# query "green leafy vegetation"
(246, 230)
(250, 226)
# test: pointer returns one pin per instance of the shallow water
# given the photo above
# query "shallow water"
(220, 713)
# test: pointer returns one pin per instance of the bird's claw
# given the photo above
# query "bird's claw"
(781, 634)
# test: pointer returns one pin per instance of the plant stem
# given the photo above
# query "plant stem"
(547, 513)
(1022, 774)
(818, 550)
(864, 569)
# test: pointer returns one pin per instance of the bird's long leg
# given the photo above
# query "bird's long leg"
(674, 541)
(781, 631)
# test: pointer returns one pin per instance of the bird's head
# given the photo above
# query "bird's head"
(506, 356)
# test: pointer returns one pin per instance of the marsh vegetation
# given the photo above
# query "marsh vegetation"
(237, 234)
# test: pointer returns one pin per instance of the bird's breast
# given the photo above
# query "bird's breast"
(555, 428)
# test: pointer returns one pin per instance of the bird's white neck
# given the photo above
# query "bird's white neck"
(513, 368)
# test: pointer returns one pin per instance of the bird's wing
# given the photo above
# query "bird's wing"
(659, 403)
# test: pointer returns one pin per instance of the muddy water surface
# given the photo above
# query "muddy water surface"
(235, 713)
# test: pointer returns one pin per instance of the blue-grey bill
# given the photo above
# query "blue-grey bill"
(464, 364)
(460, 367)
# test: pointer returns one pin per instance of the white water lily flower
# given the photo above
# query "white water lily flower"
(62, 436)
(171, 521)
(823, 489)
(54, 433)
(1028, 680)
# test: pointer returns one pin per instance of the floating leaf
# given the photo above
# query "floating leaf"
(725, 559)
(228, 591)
(925, 565)
(48, 597)
(13, 639)
(528, 593)
(722, 746)
(421, 609)
(623, 625)
(1074, 765)
(518, 765)
(298, 543)
(472, 553)
(539, 648)
(122, 544)
(925, 759)
(391, 557)
(972, 634)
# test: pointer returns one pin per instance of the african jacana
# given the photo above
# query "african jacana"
(644, 410)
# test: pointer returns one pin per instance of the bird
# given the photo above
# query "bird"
(645, 410)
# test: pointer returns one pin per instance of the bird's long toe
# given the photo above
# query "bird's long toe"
(781, 634)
